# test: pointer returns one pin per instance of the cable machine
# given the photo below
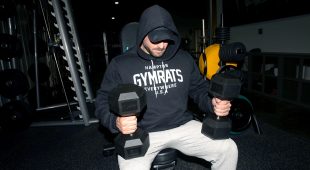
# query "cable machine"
(67, 41)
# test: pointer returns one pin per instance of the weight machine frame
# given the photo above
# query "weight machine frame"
(71, 46)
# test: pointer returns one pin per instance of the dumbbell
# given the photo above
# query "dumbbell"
(224, 86)
(129, 100)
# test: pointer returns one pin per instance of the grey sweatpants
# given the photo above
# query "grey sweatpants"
(223, 154)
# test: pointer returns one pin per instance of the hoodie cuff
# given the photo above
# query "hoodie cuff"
(210, 108)
(113, 126)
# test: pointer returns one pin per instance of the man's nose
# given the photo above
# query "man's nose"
(161, 45)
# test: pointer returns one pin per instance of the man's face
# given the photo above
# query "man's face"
(154, 49)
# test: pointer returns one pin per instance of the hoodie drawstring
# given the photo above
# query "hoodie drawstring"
(165, 83)
(163, 66)
(153, 72)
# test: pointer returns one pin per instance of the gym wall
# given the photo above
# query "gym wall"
(286, 35)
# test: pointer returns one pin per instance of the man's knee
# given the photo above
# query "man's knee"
(135, 163)
(228, 156)
(230, 148)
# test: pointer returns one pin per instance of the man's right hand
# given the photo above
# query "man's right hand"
(127, 125)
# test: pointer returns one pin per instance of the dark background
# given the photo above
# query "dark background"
(95, 16)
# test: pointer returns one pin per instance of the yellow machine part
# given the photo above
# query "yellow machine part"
(209, 61)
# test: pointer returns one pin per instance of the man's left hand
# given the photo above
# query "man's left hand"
(221, 107)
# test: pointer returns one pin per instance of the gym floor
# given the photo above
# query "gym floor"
(290, 118)
(284, 144)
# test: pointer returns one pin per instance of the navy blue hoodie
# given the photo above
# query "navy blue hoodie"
(168, 80)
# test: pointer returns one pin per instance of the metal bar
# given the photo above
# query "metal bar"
(56, 62)
(56, 106)
(36, 59)
(11, 32)
(105, 45)
(67, 44)
(62, 123)
(62, 84)
(80, 56)
(210, 23)
(203, 36)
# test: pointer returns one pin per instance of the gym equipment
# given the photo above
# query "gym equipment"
(63, 43)
(128, 35)
(210, 61)
(15, 116)
(242, 115)
(219, 63)
(70, 43)
(224, 83)
(13, 83)
(129, 100)
(232, 53)
(165, 160)
(225, 87)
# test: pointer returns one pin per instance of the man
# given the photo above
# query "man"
(169, 75)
